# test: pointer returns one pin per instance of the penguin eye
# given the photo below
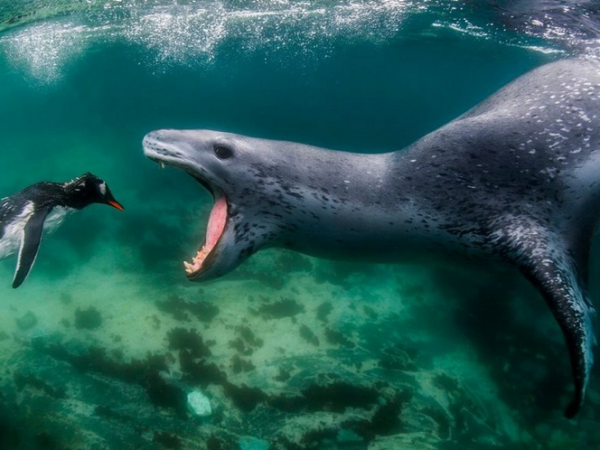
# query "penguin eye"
(222, 151)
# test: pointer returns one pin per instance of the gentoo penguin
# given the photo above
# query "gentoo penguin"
(43, 206)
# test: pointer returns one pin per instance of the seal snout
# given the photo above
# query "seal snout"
(151, 142)
(163, 146)
(157, 135)
(155, 139)
(165, 137)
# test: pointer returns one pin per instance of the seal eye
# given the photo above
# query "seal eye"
(222, 151)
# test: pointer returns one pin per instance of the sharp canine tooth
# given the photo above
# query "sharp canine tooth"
(162, 165)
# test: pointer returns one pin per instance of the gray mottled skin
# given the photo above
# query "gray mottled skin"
(515, 179)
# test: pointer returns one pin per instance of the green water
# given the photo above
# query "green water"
(304, 353)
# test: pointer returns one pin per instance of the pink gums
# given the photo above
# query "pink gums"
(216, 226)
(216, 223)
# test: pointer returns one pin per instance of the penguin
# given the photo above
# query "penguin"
(41, 207)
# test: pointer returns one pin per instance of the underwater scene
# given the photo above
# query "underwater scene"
(107, 344)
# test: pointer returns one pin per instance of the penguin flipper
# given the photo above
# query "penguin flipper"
(557, 274)
(30, 244)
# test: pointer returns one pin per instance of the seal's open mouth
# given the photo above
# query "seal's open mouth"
(215, 229)
(218, 219)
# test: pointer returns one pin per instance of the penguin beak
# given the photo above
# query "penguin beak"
(110, 200)
(115, 204)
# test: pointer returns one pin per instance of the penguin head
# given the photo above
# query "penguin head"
(87, 189)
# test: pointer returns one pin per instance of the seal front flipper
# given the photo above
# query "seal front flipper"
(558, 273)
(30, 244)
(559, 285)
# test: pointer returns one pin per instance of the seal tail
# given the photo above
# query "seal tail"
(559, 274)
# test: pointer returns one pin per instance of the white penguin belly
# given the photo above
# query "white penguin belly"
(13, 234)
(55, 218)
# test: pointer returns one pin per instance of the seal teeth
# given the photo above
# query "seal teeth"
(197, 261)
(215, 229)
(161, 164)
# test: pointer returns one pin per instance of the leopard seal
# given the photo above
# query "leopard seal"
(514, 179)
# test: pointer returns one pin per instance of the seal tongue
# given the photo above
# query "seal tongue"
(216, 226)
